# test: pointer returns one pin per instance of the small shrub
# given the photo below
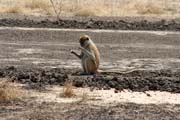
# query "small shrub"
(68, 90)
(9, 92)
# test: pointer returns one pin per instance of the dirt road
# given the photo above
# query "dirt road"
(120, 50)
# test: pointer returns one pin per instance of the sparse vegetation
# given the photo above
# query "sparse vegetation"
(57, 9)
(90, 11)
(14, 9)
(68, 90)
(144, 8)
(87, 11)
(89, 8)
(37, 4)
(9, 92)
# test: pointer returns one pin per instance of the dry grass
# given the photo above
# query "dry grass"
(37, 4)
(42, 6)
(150, 9)
(89, 8)
(28, 7)
(14, 9)
(90, 11)
(95, 9)
(9, 92)
(86, 11)
(11, 9)
(142, 8)
(68, 90)
(131, 8)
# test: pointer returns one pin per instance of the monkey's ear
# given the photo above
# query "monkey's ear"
(87, 38)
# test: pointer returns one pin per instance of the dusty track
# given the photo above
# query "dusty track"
(123, 50)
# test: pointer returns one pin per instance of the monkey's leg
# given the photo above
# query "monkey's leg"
(84, 65)
(91, 67)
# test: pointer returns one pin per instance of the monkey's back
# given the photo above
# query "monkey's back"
(96, 53)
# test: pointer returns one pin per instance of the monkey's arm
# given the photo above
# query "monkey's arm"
(77, 55)
(89, 54)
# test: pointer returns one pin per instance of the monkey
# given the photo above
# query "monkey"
(90, 56)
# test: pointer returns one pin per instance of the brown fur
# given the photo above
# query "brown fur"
(90, 63)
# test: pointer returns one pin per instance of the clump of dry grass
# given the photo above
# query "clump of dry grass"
(35, 4)
(14, 9)
(9, 92)
(68, 90)
(87, 11)
(141, 8)
(43, 6)
(96, 9)
(149, 9)
(11, 9)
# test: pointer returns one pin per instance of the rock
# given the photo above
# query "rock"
(116, 91)
(78, 83)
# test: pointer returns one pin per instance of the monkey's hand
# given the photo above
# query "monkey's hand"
(75, 54)
(88, 53)
(72, 51)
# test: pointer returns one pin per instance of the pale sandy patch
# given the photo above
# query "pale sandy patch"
(104, 97)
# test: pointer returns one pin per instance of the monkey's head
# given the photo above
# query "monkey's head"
(84, 40)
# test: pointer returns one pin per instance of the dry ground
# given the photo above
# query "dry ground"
(96, 105)
(153, 55)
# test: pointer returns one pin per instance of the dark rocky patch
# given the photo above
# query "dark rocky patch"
(93, 23)
(162, 80)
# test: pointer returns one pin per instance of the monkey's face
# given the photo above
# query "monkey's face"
(84, 41)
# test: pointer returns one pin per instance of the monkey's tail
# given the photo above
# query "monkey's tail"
(116, 72)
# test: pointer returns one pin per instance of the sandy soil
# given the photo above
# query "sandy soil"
(104, 97)
(98, 104)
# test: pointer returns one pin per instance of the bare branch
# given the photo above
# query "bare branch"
(55, 10)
